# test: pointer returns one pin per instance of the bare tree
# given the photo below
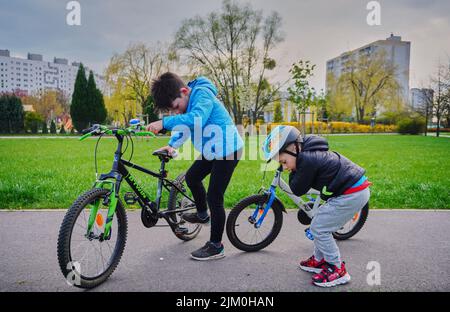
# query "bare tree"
(233, 48)
(426, 106)
(131, 72)
(440, 83)
(370, 82)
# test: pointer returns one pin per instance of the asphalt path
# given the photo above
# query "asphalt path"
(411, 247)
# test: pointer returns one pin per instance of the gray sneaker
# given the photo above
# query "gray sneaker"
(192, 217)
(208, 252)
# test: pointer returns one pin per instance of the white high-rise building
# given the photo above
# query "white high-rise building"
(397, 52)
(33, 74)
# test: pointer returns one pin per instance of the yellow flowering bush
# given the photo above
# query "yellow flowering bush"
(338, 127)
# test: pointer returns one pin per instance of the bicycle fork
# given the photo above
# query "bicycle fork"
(112, 205)
(272, 196)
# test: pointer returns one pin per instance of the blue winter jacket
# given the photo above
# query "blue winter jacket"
(206, 122)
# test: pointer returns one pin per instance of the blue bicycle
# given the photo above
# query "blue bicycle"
(256, 220)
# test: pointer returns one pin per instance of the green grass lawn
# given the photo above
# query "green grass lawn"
(406, 171)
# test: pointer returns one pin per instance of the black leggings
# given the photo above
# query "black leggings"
(221, 172)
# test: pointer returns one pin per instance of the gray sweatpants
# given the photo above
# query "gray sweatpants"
(330, 217)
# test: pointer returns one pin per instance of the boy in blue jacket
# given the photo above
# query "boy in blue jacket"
(199, 115)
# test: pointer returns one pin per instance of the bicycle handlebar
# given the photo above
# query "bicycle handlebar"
(100, 129)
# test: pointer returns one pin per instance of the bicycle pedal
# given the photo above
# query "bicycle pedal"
(181, 231)
(130, 198)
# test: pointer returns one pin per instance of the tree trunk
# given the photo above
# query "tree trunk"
(426, 118)
(255, 116)
(438, 127)
(304, 123)
(361, 115)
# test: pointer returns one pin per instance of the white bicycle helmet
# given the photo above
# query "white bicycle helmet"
(278, 139)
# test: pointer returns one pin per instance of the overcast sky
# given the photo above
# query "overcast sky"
(314, 29)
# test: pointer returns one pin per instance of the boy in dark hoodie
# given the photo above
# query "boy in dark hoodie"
(342, 184)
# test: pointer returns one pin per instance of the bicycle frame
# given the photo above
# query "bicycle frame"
(300, 203)
(114, 178)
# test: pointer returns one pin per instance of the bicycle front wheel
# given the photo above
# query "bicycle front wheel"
(242, 229)
(86, 259)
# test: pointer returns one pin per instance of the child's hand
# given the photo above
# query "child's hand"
(155, 126)
(169, 150)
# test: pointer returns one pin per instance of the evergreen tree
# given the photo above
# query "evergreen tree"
(149, 109)
(11, 114)
(101, 108)
(92, 97)
(80, 109)
(278, 114)
(44, 128)
(53, 127)
(95, 100)
(294, 115)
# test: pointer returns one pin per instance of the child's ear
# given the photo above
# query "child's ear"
(184, 90)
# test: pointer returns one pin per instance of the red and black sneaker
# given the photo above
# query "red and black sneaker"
(312, 265)
(331, 275)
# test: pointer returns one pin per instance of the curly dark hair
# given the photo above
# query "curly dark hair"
(165, 89)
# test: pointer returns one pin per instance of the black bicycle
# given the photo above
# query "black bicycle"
(93, 233)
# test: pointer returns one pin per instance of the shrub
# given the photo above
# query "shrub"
(33, 121)
(440, 129)
(392, 118)
(411, 125)
(339, 127)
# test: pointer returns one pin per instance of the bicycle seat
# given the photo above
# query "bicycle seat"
(163, 155)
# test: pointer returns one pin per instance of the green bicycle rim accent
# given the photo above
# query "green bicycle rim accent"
(324, 191)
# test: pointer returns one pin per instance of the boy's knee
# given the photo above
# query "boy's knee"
(190, 179)
(313, 230)
(313, 227)
(317, 232)
(214, 199)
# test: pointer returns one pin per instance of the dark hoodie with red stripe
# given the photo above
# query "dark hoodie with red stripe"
(323, 170)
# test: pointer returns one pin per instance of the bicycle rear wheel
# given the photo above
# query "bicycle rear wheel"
(354, 225)
(85, 259)
(185, 231)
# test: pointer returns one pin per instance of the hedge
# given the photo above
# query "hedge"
(339, 127)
